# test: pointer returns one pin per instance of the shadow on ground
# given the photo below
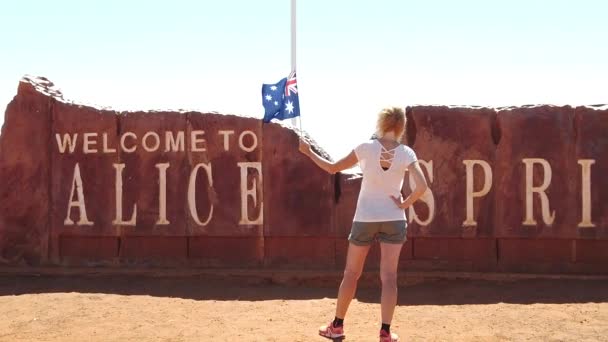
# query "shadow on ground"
(438, 292)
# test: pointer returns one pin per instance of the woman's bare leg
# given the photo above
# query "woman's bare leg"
(389, 260)
(355, 259)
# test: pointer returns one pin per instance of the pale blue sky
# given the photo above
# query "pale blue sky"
(354, 57)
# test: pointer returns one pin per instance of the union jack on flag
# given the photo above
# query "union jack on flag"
(292, 84)
(280, 100)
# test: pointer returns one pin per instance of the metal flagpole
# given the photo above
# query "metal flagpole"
(293, 54)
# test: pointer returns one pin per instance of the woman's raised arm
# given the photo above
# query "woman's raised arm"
(331, 167)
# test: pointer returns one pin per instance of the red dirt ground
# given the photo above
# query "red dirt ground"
(137, 308)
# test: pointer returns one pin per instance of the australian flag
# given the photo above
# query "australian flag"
(280, 100)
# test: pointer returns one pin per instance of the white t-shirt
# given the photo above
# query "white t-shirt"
(374, 203)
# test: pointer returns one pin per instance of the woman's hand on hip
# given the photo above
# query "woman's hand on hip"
(399, 203)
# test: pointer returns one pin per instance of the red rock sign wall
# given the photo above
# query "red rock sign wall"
(513, 189)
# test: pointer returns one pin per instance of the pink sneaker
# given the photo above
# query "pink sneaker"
(330, 331)
(386, 337)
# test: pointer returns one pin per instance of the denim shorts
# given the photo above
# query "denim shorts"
(364, 233)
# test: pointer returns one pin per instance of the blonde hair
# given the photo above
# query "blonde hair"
(391, 119)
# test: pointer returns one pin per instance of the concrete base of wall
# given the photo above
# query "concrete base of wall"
(286, 277)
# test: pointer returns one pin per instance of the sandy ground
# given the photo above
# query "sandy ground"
(113, 308)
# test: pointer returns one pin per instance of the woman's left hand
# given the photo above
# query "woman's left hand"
(398, 202)
(304, 147)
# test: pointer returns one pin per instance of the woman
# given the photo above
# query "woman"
(379, 215)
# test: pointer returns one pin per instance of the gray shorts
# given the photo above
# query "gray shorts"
(364, 233)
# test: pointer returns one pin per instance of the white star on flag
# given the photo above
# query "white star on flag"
(289, 106)
(268, 97)
(276, 103)
(273, 88)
